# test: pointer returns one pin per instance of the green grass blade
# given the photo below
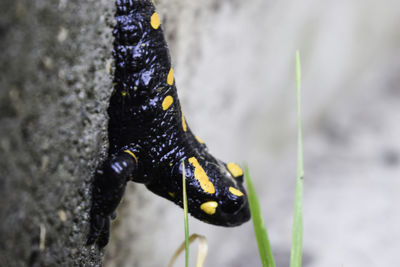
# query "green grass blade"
(297, 231)
(185, 212)
(264, 247)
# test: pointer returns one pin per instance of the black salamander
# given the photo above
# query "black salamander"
(149, 137)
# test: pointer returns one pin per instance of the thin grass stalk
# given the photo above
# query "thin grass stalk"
(297, 230)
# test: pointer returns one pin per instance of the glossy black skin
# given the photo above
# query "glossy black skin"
(138, 123)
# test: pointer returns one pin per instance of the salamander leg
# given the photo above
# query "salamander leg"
(108, 188)
(104, 236)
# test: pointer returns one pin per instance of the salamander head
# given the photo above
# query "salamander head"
(215, 191)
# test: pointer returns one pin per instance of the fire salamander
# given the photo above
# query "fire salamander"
(149, 136)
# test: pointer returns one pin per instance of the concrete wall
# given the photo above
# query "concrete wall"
(54, 90)
(234, 65)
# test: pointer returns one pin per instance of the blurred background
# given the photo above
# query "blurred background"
(235, 72)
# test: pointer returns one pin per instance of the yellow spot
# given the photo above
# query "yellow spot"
(184, 125)
(155, 20)
(133, 155)
(167, 102)
(234, 169)
(171, 194)
(199, 140)
(202, 177)
(170, 77)
(209, 207)
(123, 93)
(235, 191)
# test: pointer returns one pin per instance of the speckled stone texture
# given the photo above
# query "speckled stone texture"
(55, 82)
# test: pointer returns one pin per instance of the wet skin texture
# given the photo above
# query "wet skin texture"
(149, 137)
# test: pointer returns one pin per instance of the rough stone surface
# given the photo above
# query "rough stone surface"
(55, 83)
